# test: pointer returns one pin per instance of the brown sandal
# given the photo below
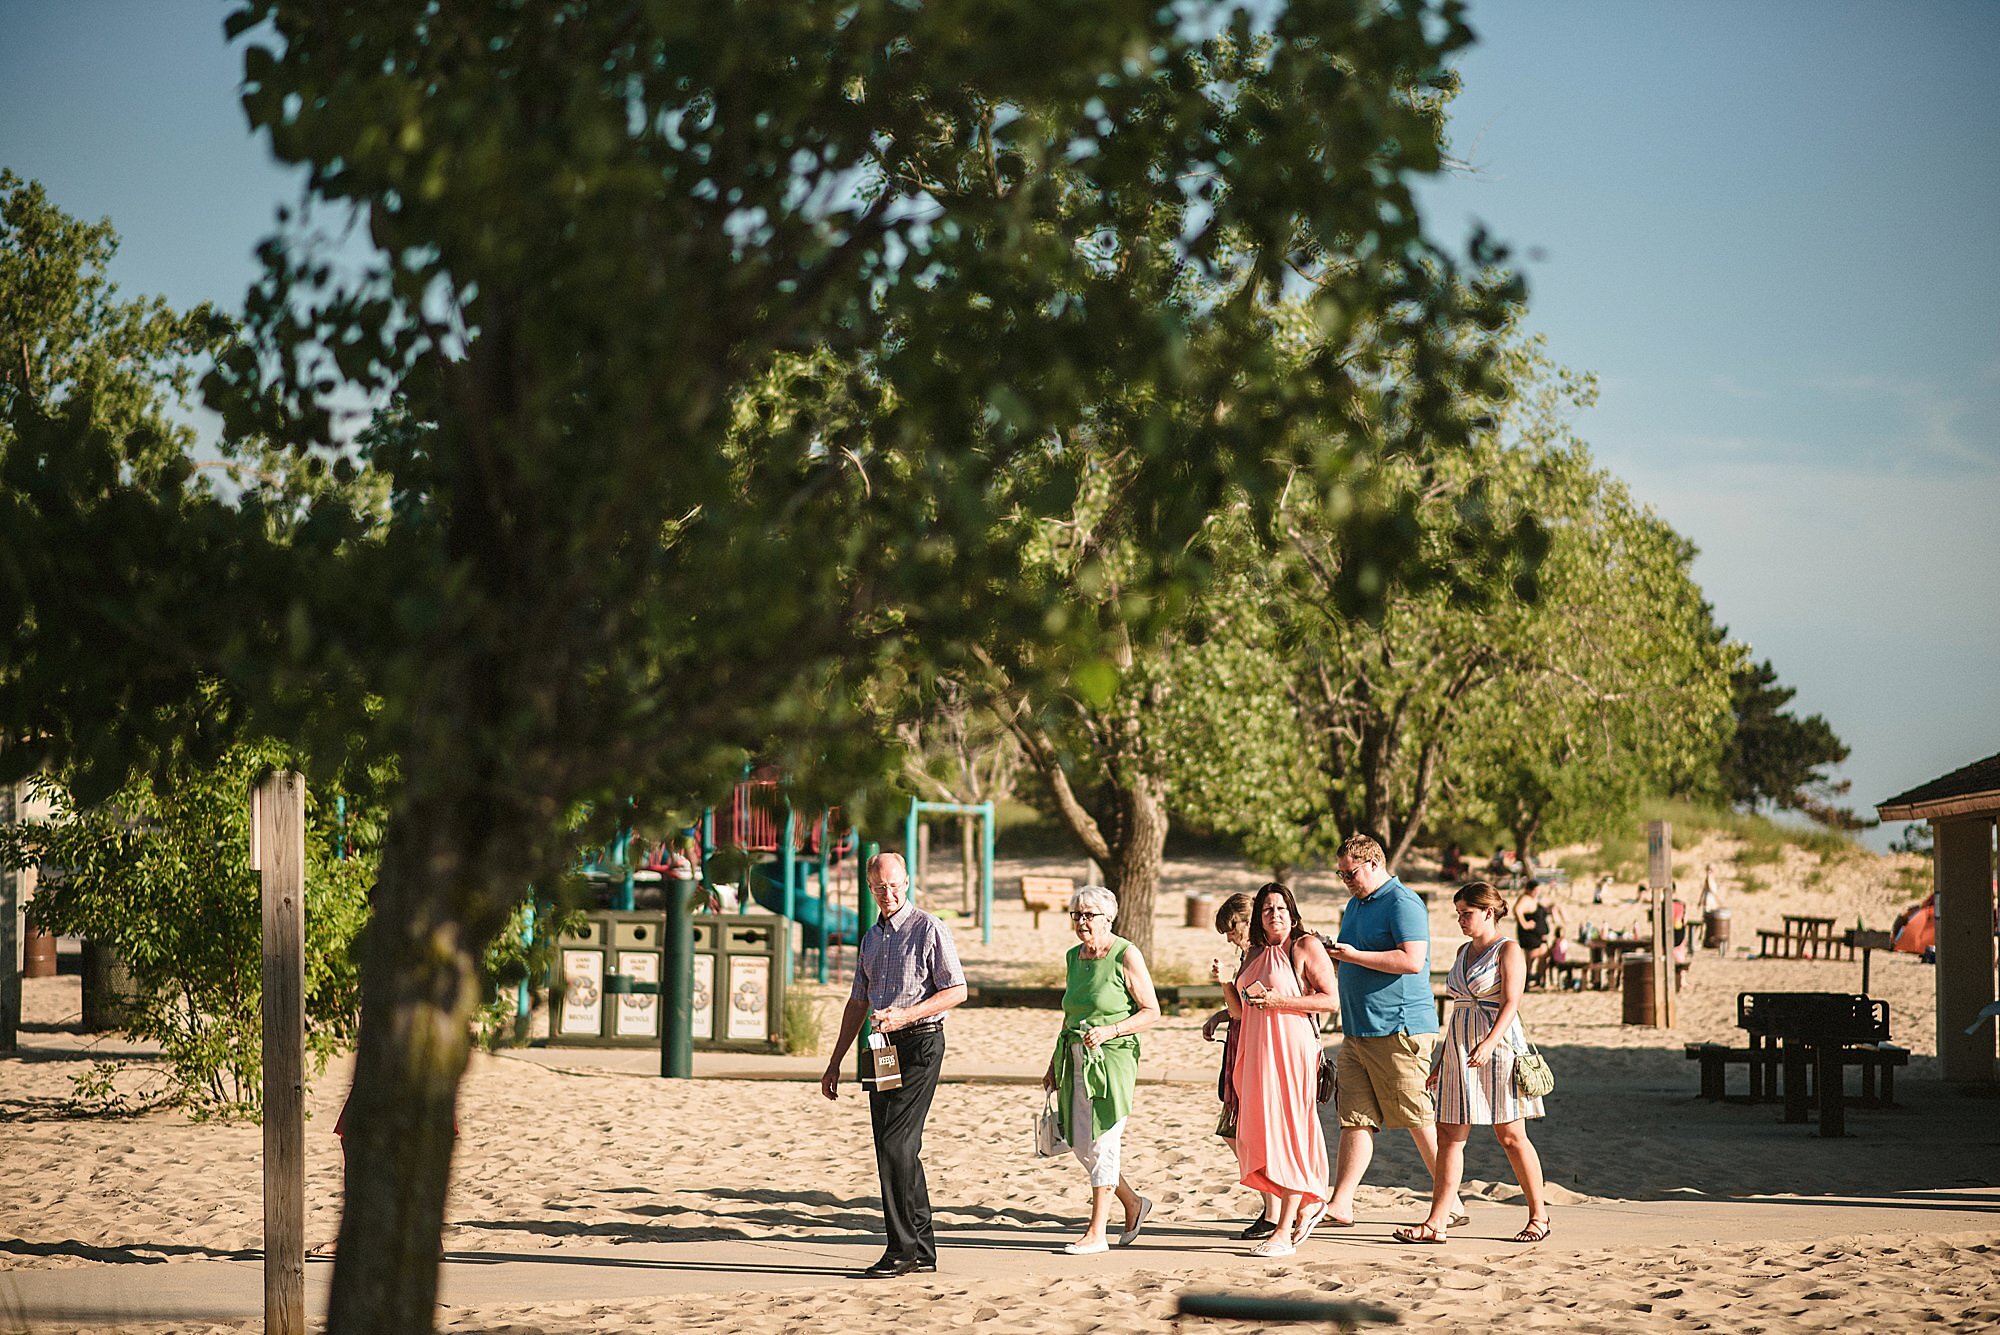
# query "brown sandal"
(1535, 1230)
(1420, 1235)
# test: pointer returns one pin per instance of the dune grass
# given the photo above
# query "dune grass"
(1761, 841)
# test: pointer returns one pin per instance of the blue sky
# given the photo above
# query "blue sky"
(1769, 229)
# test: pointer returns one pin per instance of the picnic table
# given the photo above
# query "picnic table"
(1803, 937)
(1606, 968)
(1809, 1038)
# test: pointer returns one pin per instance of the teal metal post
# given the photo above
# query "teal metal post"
(986, 873)
(788, 861)
(524, 1004)
(677, 981)
(910, 845)
(865, 910)
(621, 858)
(825, 907)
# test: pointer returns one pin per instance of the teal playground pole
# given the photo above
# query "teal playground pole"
(621, 857)
(788, 861)
(865, 910)
(986, 873)
(910, 845)
(825, 906)
(524, 1004)
(677, 981)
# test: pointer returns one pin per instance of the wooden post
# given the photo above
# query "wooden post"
(10, 937)
(1963, 855)
(278, 850)
(1660, 876)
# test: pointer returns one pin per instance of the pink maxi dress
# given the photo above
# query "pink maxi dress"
(1279, 1144)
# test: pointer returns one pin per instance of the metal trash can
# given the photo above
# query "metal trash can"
(1636, 967)
(576, 994)
(38, 955)
(748, 1002)
(738, 1001)
(1201, 910)
(1715, 929)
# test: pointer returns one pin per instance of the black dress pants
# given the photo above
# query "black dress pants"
(897, 1118)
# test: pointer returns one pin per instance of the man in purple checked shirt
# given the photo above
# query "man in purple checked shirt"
(906, 978)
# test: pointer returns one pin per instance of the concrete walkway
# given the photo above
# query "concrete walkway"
(1196, 1250)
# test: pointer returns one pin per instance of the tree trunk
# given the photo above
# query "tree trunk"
(420, 992)
(1133, 874)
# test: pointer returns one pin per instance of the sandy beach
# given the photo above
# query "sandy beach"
(1670, 1213)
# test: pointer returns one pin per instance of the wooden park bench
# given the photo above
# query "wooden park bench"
(1046, 894)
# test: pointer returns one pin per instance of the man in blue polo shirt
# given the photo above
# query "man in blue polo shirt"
(1387, 1019)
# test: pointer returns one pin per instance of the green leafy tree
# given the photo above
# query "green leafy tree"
(162, 877)
(1778, 759)
(1548, 681)
(732, 359)
(67, 338)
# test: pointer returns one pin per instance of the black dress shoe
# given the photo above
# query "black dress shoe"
(1259, 1228)
(890, 1267)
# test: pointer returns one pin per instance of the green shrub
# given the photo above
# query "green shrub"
(163, 878)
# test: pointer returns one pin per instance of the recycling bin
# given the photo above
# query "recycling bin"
(611, 965)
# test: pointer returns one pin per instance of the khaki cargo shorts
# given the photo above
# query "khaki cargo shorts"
(1380, 1081)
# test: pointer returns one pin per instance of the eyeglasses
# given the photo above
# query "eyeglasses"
(1351, 877)
(1086, 917)
(887, 885)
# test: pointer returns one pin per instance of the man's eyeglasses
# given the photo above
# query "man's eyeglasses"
(885, 885)
(1351, 877)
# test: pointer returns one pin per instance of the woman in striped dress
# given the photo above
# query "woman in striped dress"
(1474, 1076)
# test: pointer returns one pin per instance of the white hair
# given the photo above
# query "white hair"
(1095, 898)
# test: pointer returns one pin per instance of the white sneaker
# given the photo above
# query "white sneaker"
(1086, 1248)
(1273, 1246)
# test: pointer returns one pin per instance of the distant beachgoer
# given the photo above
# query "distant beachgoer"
(1474, 1075)
(1453, 866)
(1533, 923)
(1280, 1148)
(1233, 921)
(1711, 897)
(1108, 998)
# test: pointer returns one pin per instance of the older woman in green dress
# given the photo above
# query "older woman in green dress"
(1108, 997)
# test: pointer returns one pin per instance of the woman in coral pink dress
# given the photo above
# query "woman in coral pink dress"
(1285, 981)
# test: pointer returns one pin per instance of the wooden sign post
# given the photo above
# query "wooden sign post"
(278, 850)
(1660, 877)
(11, 962)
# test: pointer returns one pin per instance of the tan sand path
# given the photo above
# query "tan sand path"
(590, 1195)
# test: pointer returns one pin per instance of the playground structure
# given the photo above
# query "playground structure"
(754, 868)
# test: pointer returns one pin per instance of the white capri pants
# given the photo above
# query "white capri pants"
(1097, 1154)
